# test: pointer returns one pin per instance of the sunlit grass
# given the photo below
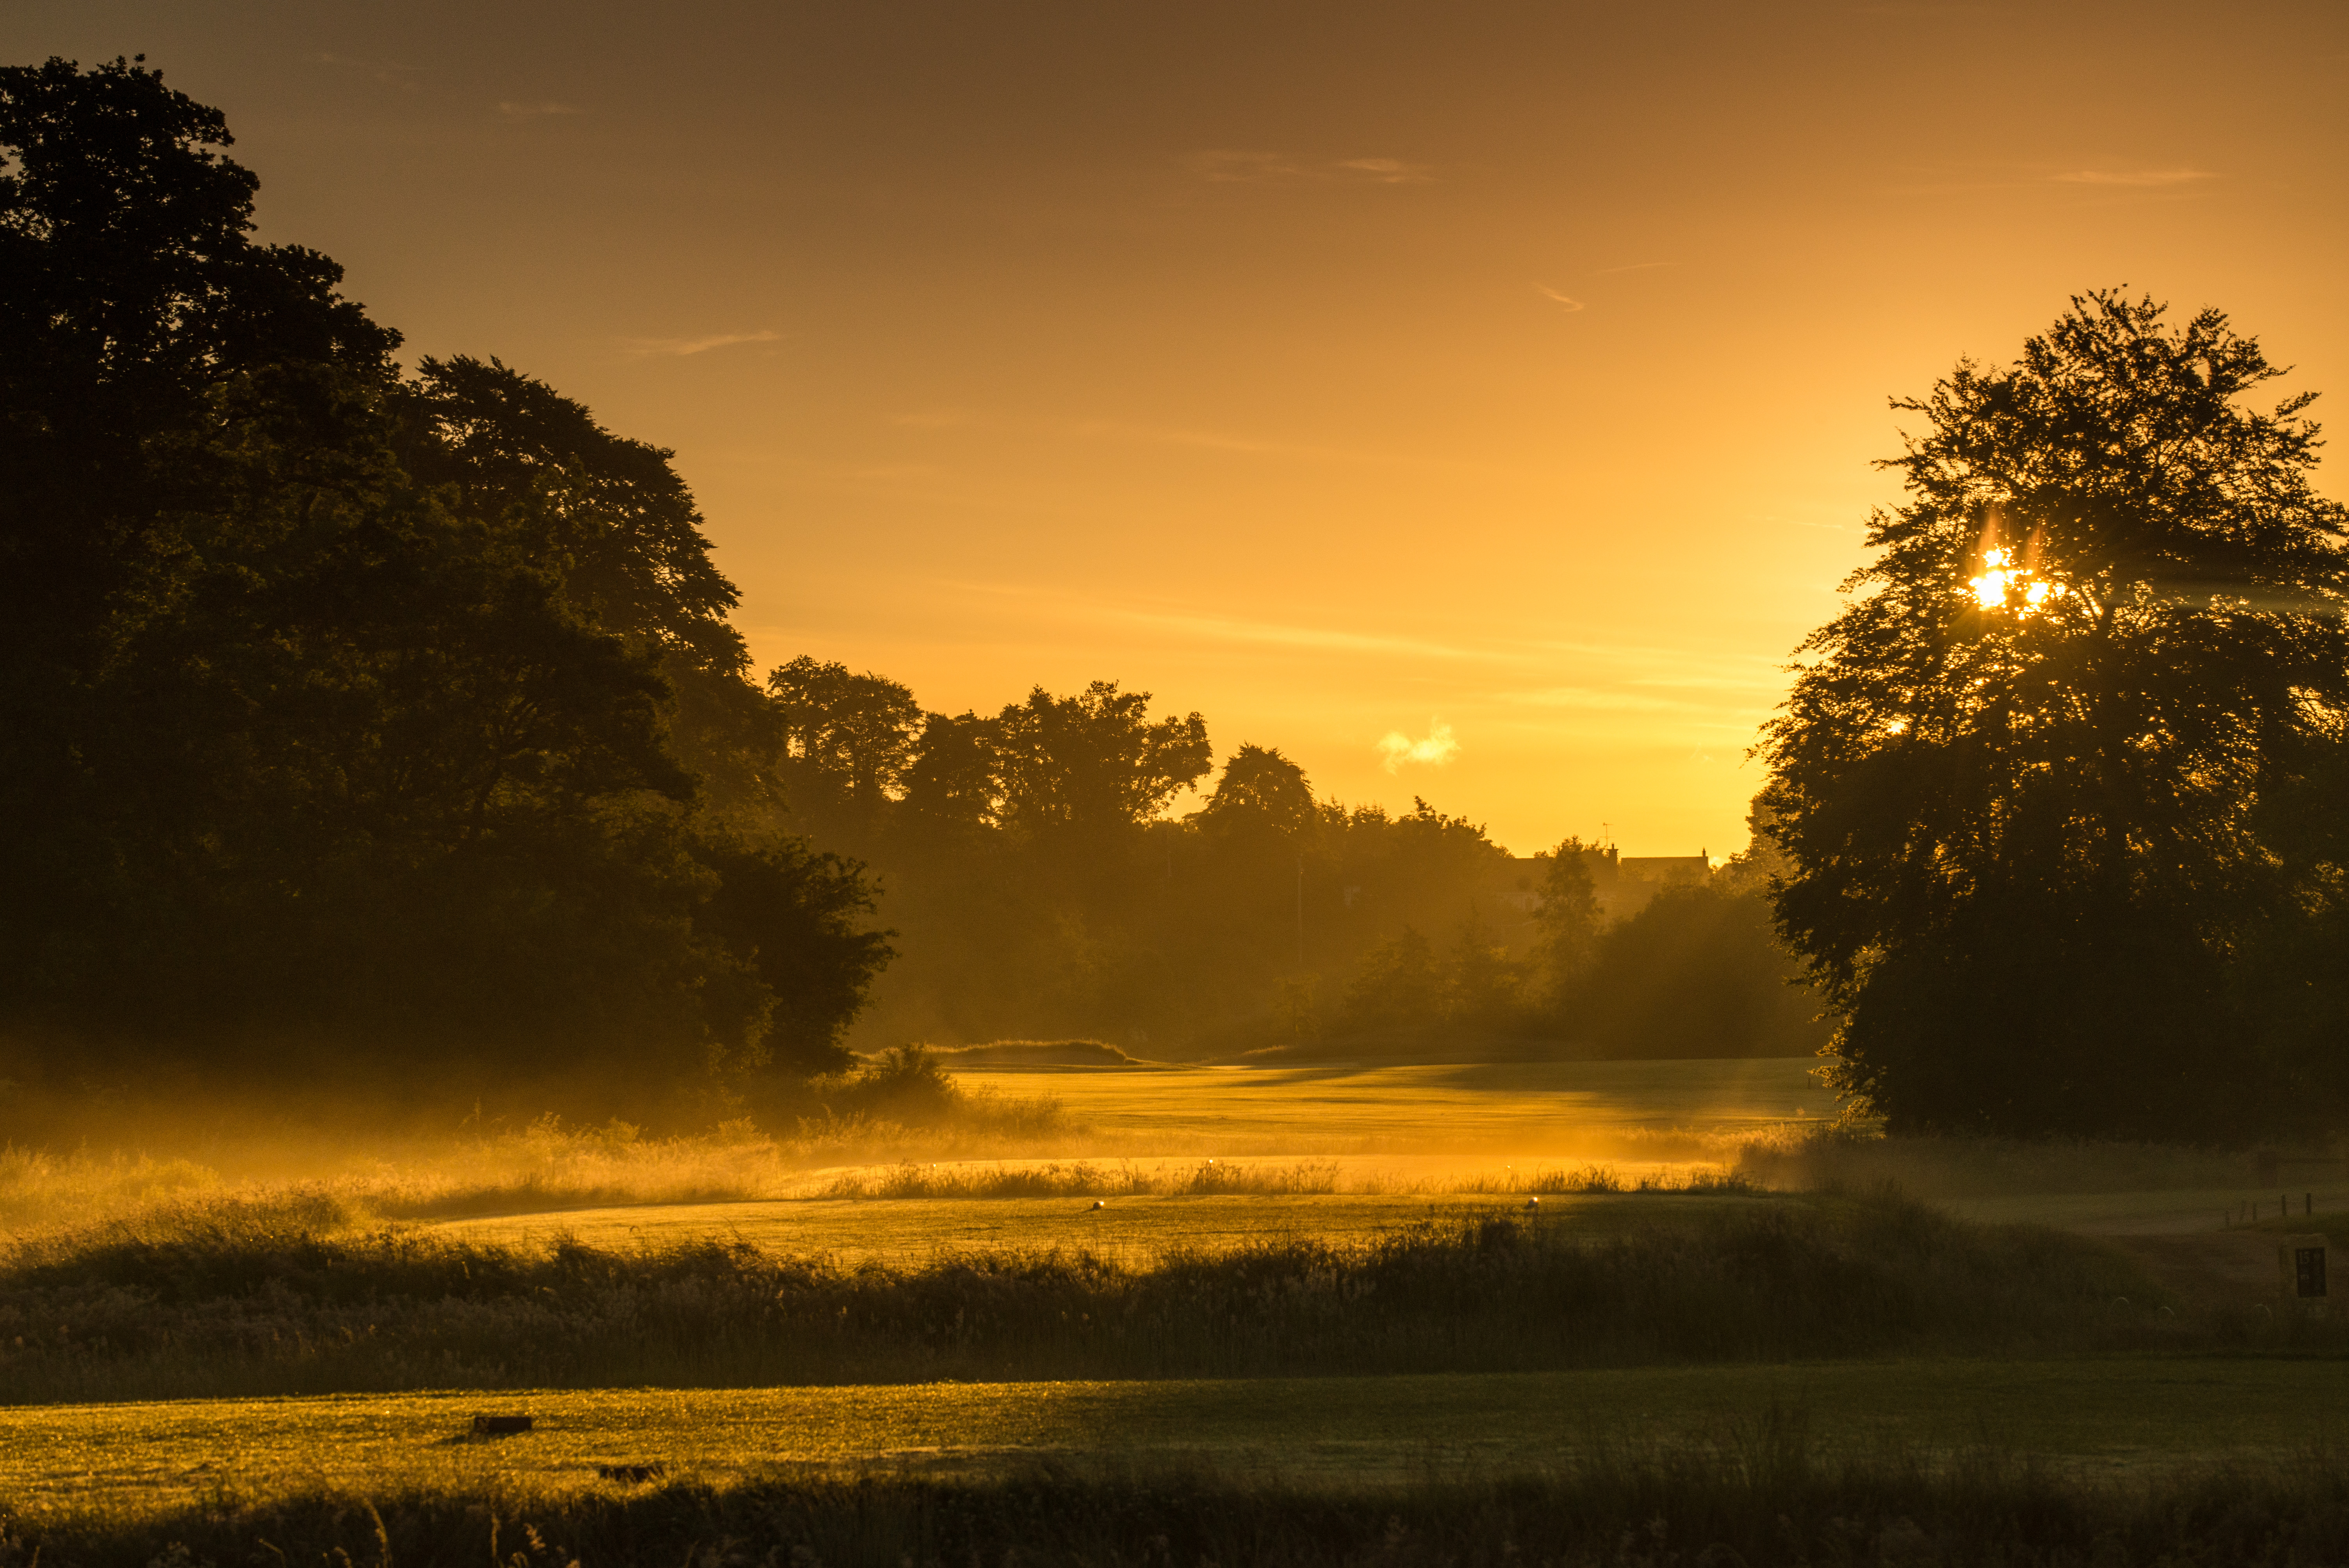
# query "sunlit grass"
(1135, 1212)
(2103, 1416)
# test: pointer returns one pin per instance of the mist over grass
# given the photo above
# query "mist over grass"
(889, 1110)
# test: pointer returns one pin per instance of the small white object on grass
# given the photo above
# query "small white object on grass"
(1533, 1202)
(1099, 1204)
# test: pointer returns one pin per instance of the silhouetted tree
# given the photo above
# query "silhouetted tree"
(617, 527)
(951, 778)
(1262, 795)
(609, 517)
(1694, 972)
(1483, 987)
(2019, 778)
(336, 729)
(1093, 761)
(1398, 985)
(849, 741)
(1568, 920)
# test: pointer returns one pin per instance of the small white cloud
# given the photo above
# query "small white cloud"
(677, 347)
(1566, 300)
(2137, 177)
(1436, 749)
(545, 108)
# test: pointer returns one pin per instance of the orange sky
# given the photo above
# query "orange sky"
(1336, 370)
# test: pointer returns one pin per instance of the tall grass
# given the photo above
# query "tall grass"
(1128, 1179)
(1760, 1493)
(38, 1187)
(247, 1303)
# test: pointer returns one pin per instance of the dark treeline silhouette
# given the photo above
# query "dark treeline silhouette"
(358, 723)
(1039, 890)
(2064, 794)
(353, 721)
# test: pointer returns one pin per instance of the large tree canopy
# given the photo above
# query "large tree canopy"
(2027, 780)
(344, 717)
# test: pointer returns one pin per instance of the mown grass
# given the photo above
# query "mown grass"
(1663, 1112)
(2102, 1415)
(1758, 1493)
(260, 1303)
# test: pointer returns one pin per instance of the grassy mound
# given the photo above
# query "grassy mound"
(1000, 1054)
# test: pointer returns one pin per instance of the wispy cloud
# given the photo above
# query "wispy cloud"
(1636, 664)
(1385, 171)
(1634, 267)
(545, 108)
(1229, 166)
(1436, 749)
(1054, 427)
(1274, 634)
(1205, 626)
(1214, 440)
(2136, 177)
(1597, 699)
(1568, 300)
(677, 348)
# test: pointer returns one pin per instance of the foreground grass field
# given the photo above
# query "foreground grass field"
(1760, 1495)
(1313, 1320)
(2103, 1416)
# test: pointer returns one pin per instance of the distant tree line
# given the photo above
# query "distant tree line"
(1040, 889)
